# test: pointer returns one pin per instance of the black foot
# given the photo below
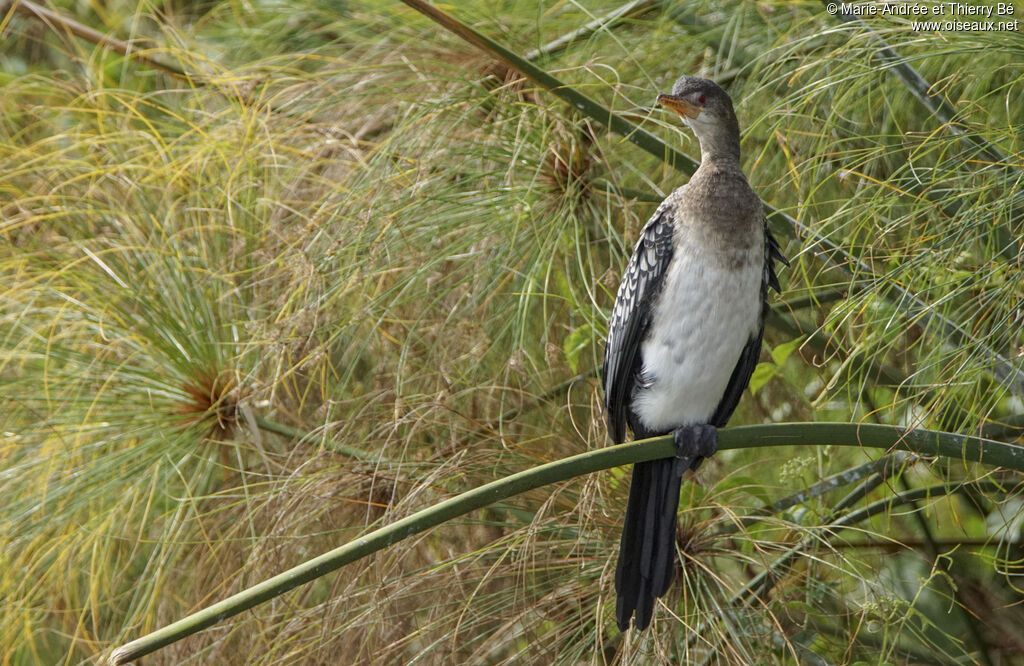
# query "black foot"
(694, 443)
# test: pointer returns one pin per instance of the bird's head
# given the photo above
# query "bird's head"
(707, 109)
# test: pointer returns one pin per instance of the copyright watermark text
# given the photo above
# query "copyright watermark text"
(936, 16)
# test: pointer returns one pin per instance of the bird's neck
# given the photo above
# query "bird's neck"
(720, 144)
(720, 152)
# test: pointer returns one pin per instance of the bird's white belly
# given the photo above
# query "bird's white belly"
(704, 317)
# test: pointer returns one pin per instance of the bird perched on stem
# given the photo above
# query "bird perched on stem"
(685, 335)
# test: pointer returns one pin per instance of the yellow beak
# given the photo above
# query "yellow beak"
(682, 107)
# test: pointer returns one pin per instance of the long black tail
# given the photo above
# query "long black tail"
(647, 552)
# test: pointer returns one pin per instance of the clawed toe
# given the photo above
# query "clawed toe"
(694, 443)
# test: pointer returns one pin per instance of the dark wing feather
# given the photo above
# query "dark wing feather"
(772, 253)
(631, 317)
(752, 350)
(738, 380)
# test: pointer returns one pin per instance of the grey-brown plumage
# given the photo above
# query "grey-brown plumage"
(684, 335)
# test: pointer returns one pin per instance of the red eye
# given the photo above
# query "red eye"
(701, 100)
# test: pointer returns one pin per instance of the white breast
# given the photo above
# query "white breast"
(704, 316)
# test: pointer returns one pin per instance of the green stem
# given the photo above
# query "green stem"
(881, 506)
(1007, 427)
(833, 482)
(626, 11)
(817, 340)
(625, 192)
(578, 100)
(968, 449)
(302, 435)
(815, 299)
(891, 545)
(60, 23)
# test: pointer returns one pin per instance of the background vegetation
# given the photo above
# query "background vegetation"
(351, 222)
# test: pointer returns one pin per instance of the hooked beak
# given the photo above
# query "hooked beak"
(679, 105)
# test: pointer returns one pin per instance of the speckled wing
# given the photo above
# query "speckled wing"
(631, 317)
(740, 377)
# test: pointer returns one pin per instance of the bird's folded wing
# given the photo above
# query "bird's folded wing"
(772, 253)
(631, 316)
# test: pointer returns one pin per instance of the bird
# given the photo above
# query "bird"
(684, 335)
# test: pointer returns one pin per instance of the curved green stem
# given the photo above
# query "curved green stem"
(966, 448)
(926, 442)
